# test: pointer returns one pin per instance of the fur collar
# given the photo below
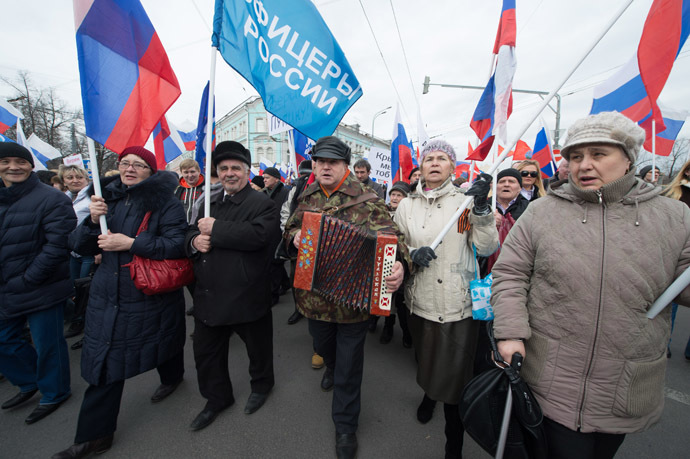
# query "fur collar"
(150, 195)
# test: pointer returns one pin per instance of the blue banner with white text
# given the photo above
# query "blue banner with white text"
(287, 52)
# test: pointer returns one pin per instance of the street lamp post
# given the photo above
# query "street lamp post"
(557, 110)
(373, 121)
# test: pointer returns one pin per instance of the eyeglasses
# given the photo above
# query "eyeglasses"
(124, 165)
(533, 174)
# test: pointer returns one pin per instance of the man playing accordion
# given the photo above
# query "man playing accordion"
(339, 331)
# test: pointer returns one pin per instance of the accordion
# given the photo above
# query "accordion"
(345, 264)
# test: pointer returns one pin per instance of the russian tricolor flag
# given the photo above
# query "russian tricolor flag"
(263, 164)
(543, 154)
(8, 115)
(401, 152)
(496, 103)
(674, 121)
(167, 143)
(189, 139)
(634, 89)
(127, 83)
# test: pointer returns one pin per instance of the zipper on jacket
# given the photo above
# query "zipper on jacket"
(596, 327)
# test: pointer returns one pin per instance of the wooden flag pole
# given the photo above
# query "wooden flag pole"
(96, 180)
(209, 133)
(451, 223)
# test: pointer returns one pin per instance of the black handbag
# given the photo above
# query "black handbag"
(482, 406)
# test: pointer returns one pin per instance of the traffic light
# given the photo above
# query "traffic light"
(426, 85)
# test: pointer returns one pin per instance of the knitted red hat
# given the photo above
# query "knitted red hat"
(148, 157)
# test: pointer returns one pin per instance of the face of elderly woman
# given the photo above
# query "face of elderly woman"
(436, 168)
(594, 165)
(133, 170)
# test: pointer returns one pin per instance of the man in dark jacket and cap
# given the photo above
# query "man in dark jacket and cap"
(232, 253)
(338, 331)
(35, 222)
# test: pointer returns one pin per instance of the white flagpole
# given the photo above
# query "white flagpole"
(653, 150)
(96, 180)
(209, 133)
(542, 106)
(494, 184)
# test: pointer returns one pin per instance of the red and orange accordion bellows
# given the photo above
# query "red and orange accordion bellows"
(345, 264)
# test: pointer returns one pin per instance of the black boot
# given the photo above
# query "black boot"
(426, 410)
(387, 334)
(454, 431)
(373, 320)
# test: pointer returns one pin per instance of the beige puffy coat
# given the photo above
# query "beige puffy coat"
(440, 292)
(575, 278)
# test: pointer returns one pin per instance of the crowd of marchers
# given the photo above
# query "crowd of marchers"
(576, 262)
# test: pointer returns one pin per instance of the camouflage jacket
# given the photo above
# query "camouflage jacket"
(372, 215)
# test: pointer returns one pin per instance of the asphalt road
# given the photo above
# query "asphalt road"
(296, 422)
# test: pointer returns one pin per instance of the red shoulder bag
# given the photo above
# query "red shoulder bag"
(159, 276)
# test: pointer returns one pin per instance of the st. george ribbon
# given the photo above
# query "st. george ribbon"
(452, 222)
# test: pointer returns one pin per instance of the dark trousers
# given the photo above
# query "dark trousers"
(43, 366)
(564, 443)
(211, 347)
(101, 405)
(342, 349)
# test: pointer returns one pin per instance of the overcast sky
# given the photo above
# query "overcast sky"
(448, 40)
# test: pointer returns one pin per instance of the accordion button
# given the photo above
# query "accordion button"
(440, 281)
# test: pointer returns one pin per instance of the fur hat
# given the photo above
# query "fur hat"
(510, 172)
(438, 145)
(606, 127)
(273, 172)
(14, 150)
(229, 149)
(148, 157)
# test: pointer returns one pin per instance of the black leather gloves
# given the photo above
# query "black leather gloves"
(480, 190)
(423, 256)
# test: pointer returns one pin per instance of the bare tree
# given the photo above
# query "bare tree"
(45, 113)
(668, 165)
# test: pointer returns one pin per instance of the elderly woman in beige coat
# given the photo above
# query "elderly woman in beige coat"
(437, 293)
(574, 280)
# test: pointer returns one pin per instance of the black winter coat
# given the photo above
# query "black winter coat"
(35, 221)
(127, 332)
(517, 208)
(233, 285)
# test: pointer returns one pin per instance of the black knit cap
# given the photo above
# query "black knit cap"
(409, 177)
(273, 172)
(400, 186)
(14, 150)
(258, 181)
(304, 167)
(510, 172)
(331, 147)
(230, 149)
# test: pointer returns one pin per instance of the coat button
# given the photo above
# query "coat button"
(440, 281)
(440, 319)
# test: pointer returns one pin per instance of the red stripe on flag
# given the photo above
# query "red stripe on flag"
(657, 50)
(154, 93)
